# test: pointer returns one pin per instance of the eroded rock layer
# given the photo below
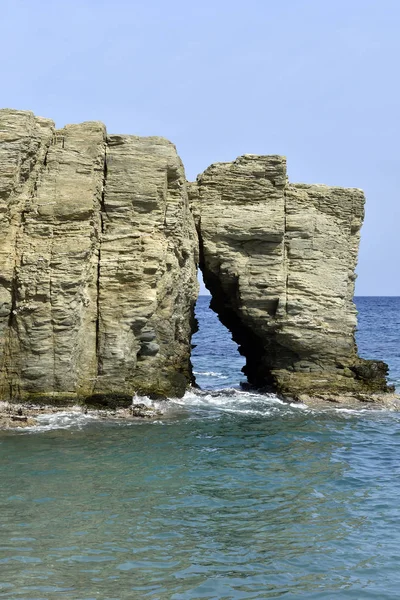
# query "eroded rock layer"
(279, 260)
(98, 255)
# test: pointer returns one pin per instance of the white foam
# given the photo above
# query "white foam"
(211, 374)
(62, 420)
(299, 405)
(196, 403)
(352, 411)
(232, 401)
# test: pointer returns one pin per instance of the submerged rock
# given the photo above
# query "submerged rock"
(144, 411)
(9, 421)
(15, 416)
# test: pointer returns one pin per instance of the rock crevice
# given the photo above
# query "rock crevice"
(98, 256)
(98, 261)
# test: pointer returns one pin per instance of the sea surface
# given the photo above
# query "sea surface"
(230, 495)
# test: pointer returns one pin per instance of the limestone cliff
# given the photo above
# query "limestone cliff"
(279, 261)
(98, 255)
(98, 259)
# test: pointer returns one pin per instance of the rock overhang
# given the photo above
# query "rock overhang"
(99, 251)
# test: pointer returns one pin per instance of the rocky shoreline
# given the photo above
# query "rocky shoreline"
(25, 415)
(388, 401)
(21, 416)
(102, 236)
(88, 218)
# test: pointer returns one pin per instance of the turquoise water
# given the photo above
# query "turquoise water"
(231, 495)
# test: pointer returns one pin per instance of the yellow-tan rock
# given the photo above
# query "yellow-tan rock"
(279, 260)
(98, 260)
(98, 256)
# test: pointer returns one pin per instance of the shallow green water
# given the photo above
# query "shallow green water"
(236, 496)
(231, 496)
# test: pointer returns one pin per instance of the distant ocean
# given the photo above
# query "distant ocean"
(230, 495)
(378, 336)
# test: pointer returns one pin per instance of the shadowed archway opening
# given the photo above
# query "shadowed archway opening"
(215, 356)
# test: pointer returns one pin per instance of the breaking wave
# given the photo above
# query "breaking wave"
(199, 404)
(72, 419)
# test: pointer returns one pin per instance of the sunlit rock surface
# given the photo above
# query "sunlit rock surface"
(98, 256)
(279, 261)
(98, 259)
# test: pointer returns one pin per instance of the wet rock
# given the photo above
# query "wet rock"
(348, 400)
(143, 411)
(12, 421)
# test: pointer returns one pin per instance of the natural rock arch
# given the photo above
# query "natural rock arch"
(98, 259)
(279, 260)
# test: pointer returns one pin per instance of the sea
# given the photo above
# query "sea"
(229, 495)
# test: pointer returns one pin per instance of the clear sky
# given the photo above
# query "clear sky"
(316, 80)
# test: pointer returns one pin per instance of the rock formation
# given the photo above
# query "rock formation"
(98, 255)
(279, 261)
(98, 259)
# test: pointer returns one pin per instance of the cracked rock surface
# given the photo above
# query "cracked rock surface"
(279, 261)
(98, 255)
(98, 259)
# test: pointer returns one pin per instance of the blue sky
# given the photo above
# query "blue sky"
(312, 79)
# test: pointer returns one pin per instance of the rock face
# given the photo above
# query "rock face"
(98, 254)
(147, 270)
(98, 259)
(279, 261)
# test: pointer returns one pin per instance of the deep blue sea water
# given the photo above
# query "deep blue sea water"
(230, 495)
(218, 364)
